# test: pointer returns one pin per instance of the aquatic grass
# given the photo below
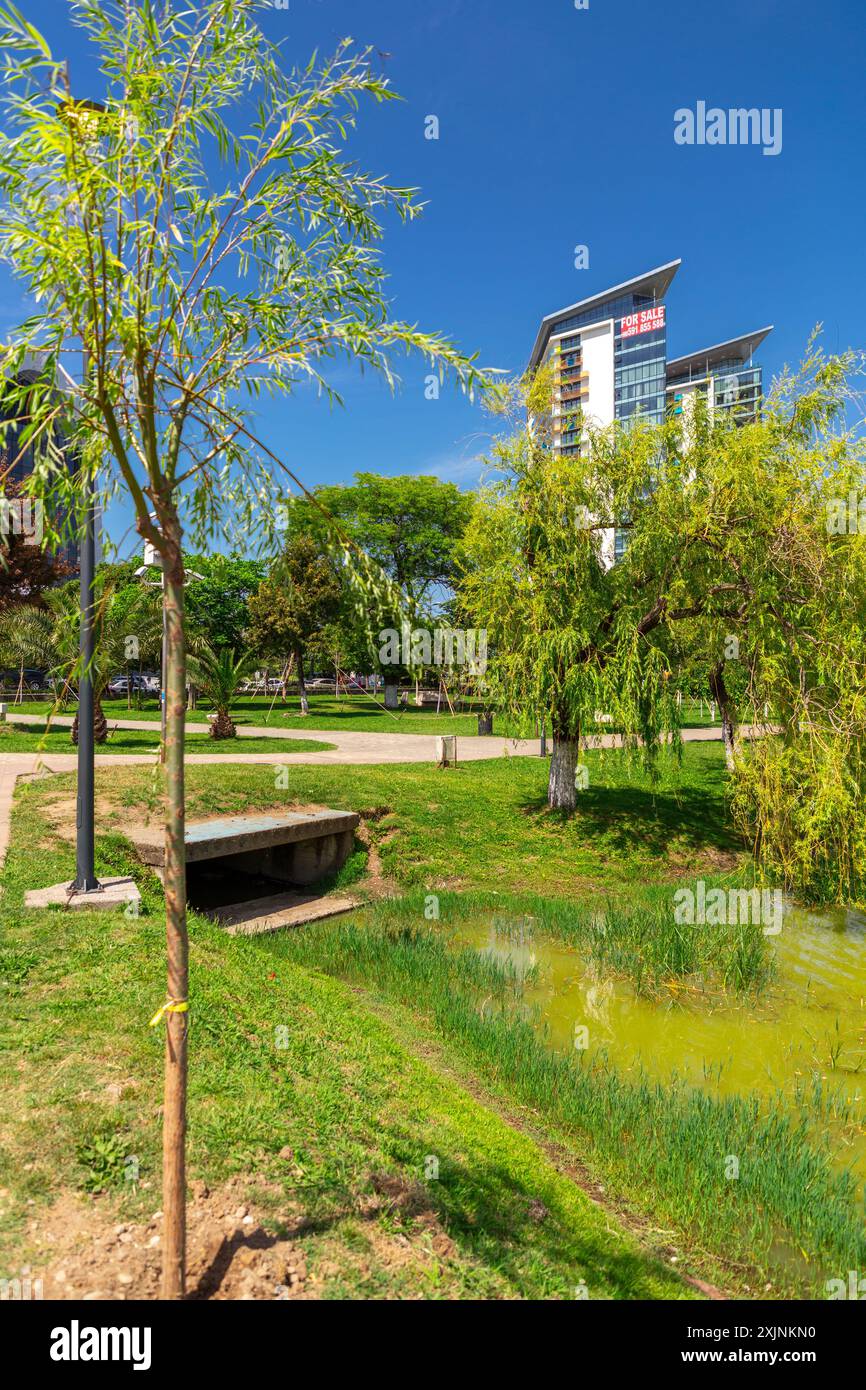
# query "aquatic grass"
(666, 1142)
(640, 941)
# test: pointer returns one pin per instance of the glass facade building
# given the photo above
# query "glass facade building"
(610, 363)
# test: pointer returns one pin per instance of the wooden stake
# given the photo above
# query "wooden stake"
(177, 946)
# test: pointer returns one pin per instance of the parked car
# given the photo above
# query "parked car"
(135, 681)
(258, 687)
(33, 679)
(320, 683)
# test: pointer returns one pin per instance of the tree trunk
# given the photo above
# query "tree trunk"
(222, 726)
(562, 783)
(719, 692)
(391, 700)
(100, 723)
(177, 946)
(302, 689)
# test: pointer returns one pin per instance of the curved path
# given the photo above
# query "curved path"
(350, 747)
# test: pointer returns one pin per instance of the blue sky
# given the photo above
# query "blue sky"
(556, 129)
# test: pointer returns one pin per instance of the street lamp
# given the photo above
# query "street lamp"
(85, 870)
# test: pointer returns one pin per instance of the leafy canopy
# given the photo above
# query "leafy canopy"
(202, 238)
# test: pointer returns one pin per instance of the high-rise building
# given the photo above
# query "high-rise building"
(609, 354)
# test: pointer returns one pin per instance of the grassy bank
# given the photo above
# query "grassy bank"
(788, 1218)
(486, 825)
(299, 1085)
(398, 1049)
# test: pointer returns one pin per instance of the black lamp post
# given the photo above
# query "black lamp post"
(85, 871)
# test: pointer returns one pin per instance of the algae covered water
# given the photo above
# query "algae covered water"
(805, 1033)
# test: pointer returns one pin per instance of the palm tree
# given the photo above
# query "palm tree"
(118, 615)
(218, 672)
(26, 639)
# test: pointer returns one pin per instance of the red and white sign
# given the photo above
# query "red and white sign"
(643, 322)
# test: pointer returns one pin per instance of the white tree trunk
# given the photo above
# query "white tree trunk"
(726, 710)
(390, 696)
(728, 736)
(562, 785)
(302, 687)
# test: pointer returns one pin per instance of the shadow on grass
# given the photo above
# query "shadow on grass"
(628, 818)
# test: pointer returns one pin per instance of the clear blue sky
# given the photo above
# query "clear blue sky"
(557, 129)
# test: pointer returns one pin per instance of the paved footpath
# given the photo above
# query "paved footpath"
(354, 749)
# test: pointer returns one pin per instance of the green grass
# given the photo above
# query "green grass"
(33, 738)
(311, 1124)
(400, 1048)
(350, 714)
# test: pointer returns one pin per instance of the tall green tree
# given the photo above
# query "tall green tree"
(409, 525)
(125, 620)
(216, 601)
(294, 606)
(410, 528)
(800, 790)
(200, 235)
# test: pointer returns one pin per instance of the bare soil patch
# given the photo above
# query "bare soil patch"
(229, 1253)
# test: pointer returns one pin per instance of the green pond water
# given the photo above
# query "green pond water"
(810, 1024)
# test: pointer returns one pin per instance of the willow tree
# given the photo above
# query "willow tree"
(570, 632)
(726, 555)
(800, 792)
(198, 233)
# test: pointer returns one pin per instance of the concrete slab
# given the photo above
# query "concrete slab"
(113, 893)
(231, 835)
(283, 910)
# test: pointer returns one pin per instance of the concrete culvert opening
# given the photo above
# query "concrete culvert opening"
(260, 871)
